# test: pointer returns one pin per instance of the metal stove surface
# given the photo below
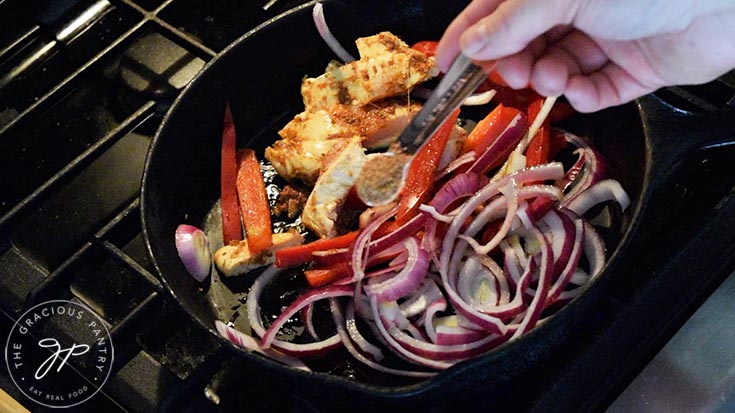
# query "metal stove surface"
(695, 371)
(83, 87)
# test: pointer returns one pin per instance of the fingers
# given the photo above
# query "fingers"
(516, 69)
(448, 47)
(610, 86)
(574, 54)
(512, 26)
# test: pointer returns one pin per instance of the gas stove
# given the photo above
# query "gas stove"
(83, 87)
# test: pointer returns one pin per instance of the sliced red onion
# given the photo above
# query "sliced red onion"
(248, 342)
(383, 314)
(547, 171)
(594, 167)
(573, 173)
(346, 339)
(417, 303)
(429, 316)
(305, 299)
(406, 281)
(500, 277)
(307, 315)
(446, 218)
(413, 330)
(362, 302)
(560, 232)
(463, 159)
(447, 335)
(516, 305)
(571, 260)
(511, 195)
(512, 263)
(498, 151)
(327, 36)
(546, 268)
(531, 212)
(467, 276)
(594, 249)
(357, 337)
(580, 277)
(360, 249)
(491, 212)
(491, 324)
(256, 324)
(459, 187)
(603, 191)
(514, 241)
(446, 352)
(193, 248)
(400, 234)
(472, 277)
(424, 350)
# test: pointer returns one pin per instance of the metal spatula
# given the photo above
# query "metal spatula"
(462, 78)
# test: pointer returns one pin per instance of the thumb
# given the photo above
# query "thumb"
(513, 25)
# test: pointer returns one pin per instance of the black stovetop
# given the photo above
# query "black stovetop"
(83, 87)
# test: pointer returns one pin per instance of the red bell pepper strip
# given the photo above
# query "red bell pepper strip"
(538, 149)
(231, 226)
(488, 129)
(322, 275)
(317, 277)
(422, 170)
(496, 79)
(256, 212)
(428, 47)
(547, 143)
(301, 254)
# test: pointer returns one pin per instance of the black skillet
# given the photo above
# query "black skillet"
(260, 75)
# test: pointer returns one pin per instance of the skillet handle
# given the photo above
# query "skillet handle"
(674, 134)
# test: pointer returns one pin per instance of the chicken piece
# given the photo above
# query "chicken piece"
(389, 68)
(331, 189)
(235, 259)
(380, 124)
(299, 159)
(380, 44)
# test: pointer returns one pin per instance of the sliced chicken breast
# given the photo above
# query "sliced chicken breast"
(330, 191)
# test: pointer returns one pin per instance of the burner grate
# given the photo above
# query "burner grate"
(73, 136)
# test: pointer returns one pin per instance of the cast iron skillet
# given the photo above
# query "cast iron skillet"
(260, 75)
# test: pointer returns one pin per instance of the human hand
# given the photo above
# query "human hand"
(598, 53)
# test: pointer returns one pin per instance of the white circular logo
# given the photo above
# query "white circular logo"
(59, 353)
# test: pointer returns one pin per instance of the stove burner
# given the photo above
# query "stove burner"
(157, 68)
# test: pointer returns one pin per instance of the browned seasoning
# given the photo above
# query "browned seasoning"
(290, 201)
